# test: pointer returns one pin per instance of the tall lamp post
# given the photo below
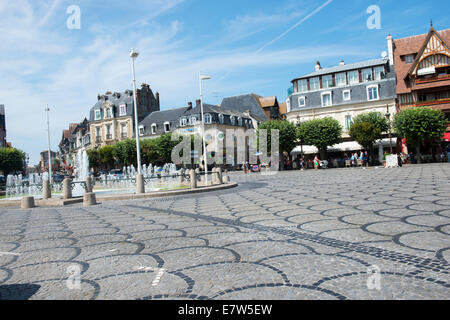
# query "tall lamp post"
(49, 149)
(139, 178)
(201, 78)
(388, 117)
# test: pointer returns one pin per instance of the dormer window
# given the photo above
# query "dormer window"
(221, 119)
(183, 122)
(193, 121)
(141, 130)
(167, 127)
(108, 113)
(98, 115)
(233, 120)
(367, 75)
(409, 58)
(208, 118)
(154, 127)
(240, 121)
(123, 110)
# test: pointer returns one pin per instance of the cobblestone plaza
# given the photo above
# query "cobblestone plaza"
(329, 234)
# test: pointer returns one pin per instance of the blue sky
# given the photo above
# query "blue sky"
(244, 45)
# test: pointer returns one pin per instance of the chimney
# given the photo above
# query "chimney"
(318, 67)
(157, 100)
(342, 63)
(390, 45)
(198, 102)
(99, 97)
(189, 105)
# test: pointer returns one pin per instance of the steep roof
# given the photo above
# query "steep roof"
(411, 45)
(243, 103)
(267, 101)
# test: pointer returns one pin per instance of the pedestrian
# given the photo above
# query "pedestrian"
(303, 163)
(316, 162)
(448, 153)
(366, 157)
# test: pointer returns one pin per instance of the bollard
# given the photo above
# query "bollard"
(193, 176)
(215, 177)
(219, 175)
(140, 185)
(27, 203)
(46, 191)
(89, 199)
(88, 185)
(197, 174)
(181, 176)
(67, 189)
(226, 179)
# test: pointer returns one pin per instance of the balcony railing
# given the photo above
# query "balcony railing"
(98, 140)
(432, 103)
(109, 137)
(124, 135)
(433, 79)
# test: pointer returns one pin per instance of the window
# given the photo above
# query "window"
(240, 121)
(167, 127)
(409, 58)
(341, 79)
(346, 95)
(123, 110)
(141, 130)
(98, 136)
(108, 113)
(314, 83)
(193, 121)
(302, 102)
(379, 73)
(353, 77)
(108, 132)
(221, 119)
(327, 81)
(326, 99)
(233, 120)
(98, 115)
(348, 122)
(154, 127)
(302, 86)
(208, 118)
(123, 130)
(366, 75)
(372, 93)
(183, 122)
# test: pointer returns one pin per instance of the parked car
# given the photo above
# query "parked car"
(58, 178)
(116, 173)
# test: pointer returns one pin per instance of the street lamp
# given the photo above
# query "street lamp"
(49, 149)
(139, 178)
(201, 78)
(388, 117)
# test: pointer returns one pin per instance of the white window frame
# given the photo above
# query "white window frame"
(141, 131)
(349, 95)
(378, 92)
(233, 120)
(123, 108)
(193, 120)
(304, 101)
(331, 98)
(377, 74)
(300, 89)
(348, 124)
(106, 113)
(409, 56)
(338, 84)
(221, 119)
(325, 83)
(370, 75)
(167, 123)
(350, 79)
(154, 128)
(183, 122)
(318, 82)
(207, 116)
(98, 115)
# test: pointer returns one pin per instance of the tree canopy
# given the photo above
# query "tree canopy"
(365, 133)
(320, 133)
(377, 119)
(287, 134)
(11, 160)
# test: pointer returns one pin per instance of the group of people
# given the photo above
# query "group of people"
(362, 156)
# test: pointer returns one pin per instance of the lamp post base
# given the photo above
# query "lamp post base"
(140, 185)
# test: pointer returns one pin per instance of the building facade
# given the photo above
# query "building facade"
(343, 92)
(112, 117)
(187, 121)
(422, 63)
(260, 108)
(76, 138)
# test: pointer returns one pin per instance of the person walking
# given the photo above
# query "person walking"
(316, 162)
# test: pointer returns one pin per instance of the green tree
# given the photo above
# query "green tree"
(420, 124)
(11, 160)
(366, 134)
(125, 152)
(320, 133)
(94, 159)
(106, 156)
(377, 119)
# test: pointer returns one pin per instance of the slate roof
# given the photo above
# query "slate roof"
(346, 67)
(244, 103)
(124, 98)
